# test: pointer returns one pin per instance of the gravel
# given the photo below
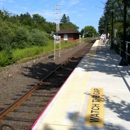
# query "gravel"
(19, 77)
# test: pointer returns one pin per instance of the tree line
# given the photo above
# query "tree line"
(113, 18)
(21, 31)
(24, 31)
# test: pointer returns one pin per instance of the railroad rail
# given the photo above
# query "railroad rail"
(22, 113)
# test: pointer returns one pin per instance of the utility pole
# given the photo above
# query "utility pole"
(57, 18)
(57, 38)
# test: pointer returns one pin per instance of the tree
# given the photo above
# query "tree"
(69, 26)
(101, 25)
(88, 31)
(63, 19)
(116, 7)
(38, 18)
(26, 19)
(66, 24)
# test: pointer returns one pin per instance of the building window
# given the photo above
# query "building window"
(65, 37)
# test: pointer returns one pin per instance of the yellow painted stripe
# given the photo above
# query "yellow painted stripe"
(95, 111)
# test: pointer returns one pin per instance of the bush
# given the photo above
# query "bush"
(20, 54)
(6, 35)
(38, 37)
(21, 38)
(6, 58)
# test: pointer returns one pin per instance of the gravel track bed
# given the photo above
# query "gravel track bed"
(20, 77)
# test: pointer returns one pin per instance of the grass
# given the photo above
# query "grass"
(22, 55)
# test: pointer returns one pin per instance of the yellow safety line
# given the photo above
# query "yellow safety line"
(95, 111)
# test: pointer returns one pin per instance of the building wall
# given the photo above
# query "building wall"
(70, 36)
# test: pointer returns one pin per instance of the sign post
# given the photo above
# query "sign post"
(57, 40)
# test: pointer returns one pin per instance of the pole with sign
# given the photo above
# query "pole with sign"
(57, 40)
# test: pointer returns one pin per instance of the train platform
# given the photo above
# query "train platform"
(96, 96)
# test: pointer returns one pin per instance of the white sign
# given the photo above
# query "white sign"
(57, 39)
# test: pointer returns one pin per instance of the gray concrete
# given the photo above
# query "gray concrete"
(115, 81)
(98, 69)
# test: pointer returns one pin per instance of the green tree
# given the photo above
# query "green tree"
(6, 35)
(89, 31)
(38, 18)
(101, 25)
(117, 7)
(1, 15)
(63, 19)
(5, 15)
(21, 39)
(66, 24)
(69, 26)
(26, 20)
(38, 37)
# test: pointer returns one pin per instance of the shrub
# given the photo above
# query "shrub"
(38, 37)
(21, 38)
(6, 35)
(6, 58)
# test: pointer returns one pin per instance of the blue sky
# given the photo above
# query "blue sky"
(81, 12)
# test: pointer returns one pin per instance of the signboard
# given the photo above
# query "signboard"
(57, 39)
(95, 112)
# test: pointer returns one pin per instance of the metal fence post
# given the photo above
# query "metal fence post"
(112, 33)
(129, 52)
(123, 61)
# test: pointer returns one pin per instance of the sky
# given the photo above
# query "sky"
(81, 12)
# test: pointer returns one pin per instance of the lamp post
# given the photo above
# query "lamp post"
(123, 61)
(112, 33)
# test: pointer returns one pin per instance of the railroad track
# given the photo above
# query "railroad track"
(27, 106)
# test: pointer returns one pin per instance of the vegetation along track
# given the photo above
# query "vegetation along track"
(23, 112)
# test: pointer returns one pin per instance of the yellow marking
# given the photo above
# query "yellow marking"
(95, 111)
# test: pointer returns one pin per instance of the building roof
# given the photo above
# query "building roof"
(67, 31)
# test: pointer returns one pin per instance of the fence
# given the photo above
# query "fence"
(118, 47)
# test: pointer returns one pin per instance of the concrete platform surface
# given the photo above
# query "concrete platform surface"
(96, 96)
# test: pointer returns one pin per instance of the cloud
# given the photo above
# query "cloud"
(2, 2)
(11, 1)
(69, 3)
(47, 14)
(81, 8)
(24, 8)
(74, 2)
(62, 2)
